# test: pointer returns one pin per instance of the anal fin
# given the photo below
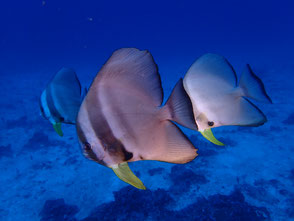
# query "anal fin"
(124, 172)
(57, 128)
(209, 136)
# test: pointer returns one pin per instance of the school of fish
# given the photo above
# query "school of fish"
(122, 118)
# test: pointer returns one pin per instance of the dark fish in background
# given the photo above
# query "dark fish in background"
(121, 121)
(61, 100)
(217, 100)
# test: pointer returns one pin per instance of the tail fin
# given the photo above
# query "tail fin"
(173, 145)
(252, 86)
(180, 107)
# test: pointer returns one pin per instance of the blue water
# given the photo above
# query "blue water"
(45, 177)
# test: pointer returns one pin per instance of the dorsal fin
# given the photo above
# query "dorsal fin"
(212, 72)
(134, 69)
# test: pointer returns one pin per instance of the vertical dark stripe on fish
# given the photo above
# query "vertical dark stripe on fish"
(103, 132)
(88, 152)
(80, 133)
(54, 112)
(42, 109)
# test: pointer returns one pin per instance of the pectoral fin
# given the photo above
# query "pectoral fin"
(209, 136)
(57, 128)
(124, 172)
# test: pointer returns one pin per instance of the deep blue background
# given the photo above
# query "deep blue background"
(34, 34)
(37, 38)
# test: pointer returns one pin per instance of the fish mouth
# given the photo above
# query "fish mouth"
(209, 136)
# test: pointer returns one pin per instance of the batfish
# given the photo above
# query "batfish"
(62, 98)
(121, 119)
(211, 84)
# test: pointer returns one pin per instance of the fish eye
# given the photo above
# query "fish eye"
(210, 123)
(87, 146)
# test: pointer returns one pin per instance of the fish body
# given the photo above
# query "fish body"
(61, 99)
(218, 100)
(121, 119)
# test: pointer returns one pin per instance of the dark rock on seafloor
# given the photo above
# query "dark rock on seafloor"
(184, 178)
(57, 210)
(6, 151)
(41, 140)
(132, 204)
(289, 120)
(155, 171)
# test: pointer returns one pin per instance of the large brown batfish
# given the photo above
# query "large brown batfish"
(121, 119)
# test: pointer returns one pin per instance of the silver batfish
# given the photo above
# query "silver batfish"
(218, 100)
